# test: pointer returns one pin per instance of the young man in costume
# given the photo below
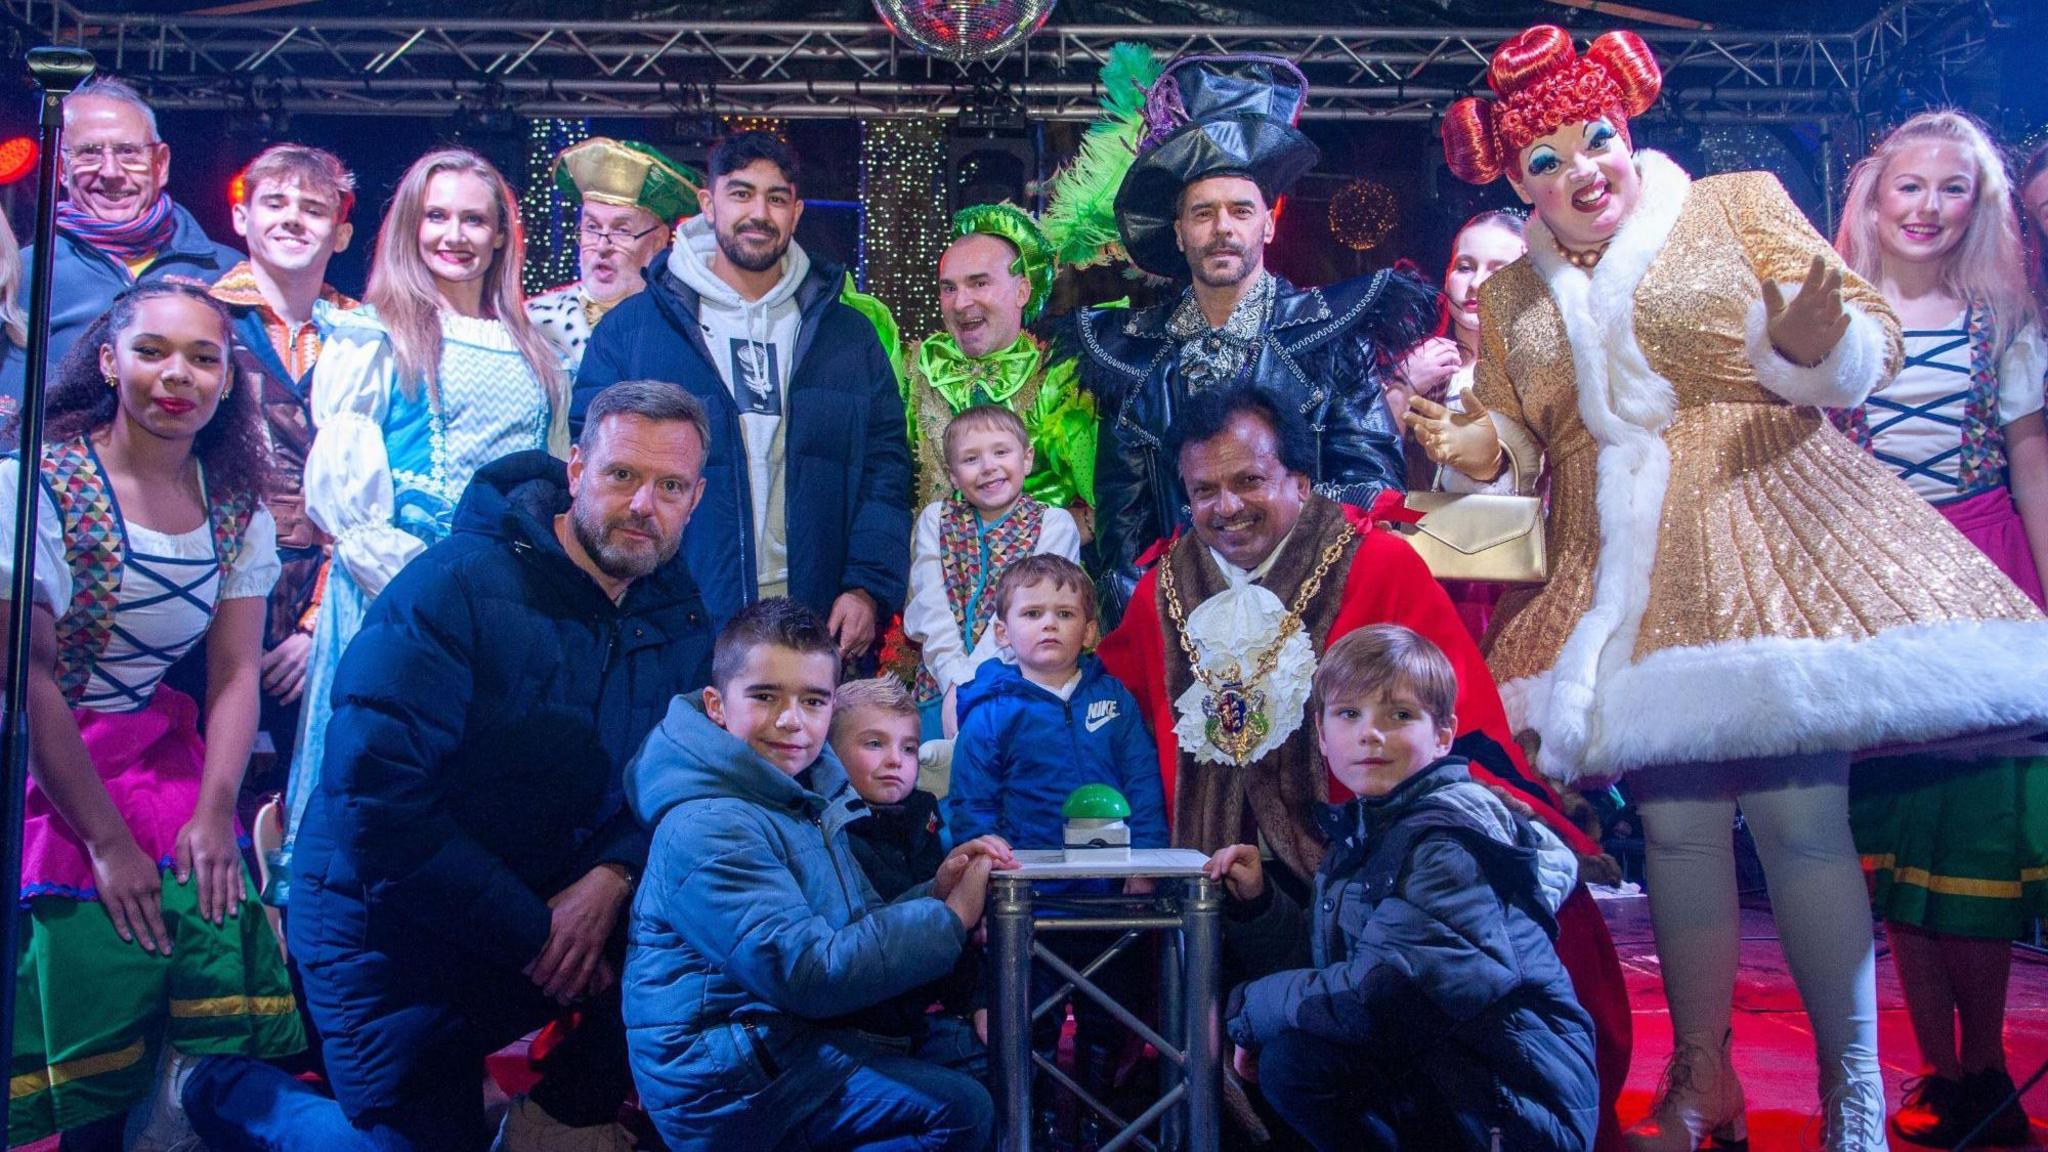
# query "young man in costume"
(294, 216)
(628, 196)
(1197, 206)
(1220, 644)
(993, 281)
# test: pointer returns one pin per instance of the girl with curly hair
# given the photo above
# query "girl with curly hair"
(1739, 599)
(152, 535)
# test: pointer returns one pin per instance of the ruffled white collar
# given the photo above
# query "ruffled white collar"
(1232, 632)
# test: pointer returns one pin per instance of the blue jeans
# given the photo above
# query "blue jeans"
(237, 1104)
(1341, 1100)
(897, 1103)
(812, 1088)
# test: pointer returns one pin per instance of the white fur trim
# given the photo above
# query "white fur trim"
(1625, 406)
(1849, 373)
(1777, 697)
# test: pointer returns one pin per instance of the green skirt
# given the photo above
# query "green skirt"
(92, 1013)
(1955, 848)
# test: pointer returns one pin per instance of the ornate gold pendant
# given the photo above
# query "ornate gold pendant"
(1236, 719)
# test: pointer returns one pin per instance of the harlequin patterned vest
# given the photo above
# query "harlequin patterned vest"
(94, 548)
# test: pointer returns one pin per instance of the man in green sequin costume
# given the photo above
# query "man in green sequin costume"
(993, 280)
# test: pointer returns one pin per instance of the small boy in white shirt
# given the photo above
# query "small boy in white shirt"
(963, 545)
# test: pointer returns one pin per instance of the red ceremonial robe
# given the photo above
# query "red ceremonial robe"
(1389, 584)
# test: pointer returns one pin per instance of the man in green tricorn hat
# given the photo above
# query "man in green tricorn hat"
(993, 281)
(628, 197)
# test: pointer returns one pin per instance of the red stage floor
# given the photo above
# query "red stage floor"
(1773, 1047)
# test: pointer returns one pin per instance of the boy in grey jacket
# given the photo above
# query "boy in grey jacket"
(1417, 1004)
(754, 926)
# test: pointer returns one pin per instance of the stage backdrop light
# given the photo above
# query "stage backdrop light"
(963, 30)
(18, 158)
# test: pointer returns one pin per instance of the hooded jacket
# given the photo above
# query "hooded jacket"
(483, 720)
(1429, 945)
(843, 446)
(87, 280)
(1022, 750)
(754, 925)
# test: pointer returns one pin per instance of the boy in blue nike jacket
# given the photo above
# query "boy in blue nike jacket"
(1033, 731)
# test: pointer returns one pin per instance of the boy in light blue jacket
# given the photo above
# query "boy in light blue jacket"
(754, 928)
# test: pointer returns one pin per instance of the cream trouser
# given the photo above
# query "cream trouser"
(1797, 809)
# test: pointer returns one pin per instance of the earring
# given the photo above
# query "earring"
(112, 384)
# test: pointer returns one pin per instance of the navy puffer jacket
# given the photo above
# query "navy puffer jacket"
(846, 450)
(483, 718)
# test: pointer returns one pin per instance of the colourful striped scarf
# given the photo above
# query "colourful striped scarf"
(126, 241)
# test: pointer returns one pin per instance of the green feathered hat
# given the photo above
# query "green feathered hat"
(1034, 256)
(1080, 209)
(627, 174)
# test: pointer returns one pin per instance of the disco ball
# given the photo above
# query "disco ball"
(963, 30)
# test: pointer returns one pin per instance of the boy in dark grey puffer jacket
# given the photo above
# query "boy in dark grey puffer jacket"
(1423, 1006)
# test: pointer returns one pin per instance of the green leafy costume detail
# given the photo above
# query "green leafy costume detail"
(941, 381)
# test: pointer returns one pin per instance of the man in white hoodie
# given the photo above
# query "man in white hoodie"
(808, 440)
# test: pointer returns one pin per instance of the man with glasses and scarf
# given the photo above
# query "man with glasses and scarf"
(628, 197)
(116, 226)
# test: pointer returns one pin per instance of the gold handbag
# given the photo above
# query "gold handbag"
(1479, 537)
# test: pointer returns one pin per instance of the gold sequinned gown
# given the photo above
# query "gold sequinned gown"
(1730, 577)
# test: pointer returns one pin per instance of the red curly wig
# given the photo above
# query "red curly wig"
(1541, 84)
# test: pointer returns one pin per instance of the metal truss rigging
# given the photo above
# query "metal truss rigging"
(352, 65)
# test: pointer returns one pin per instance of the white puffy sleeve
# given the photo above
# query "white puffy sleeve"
(256, 566)
(349, 492)
(1058, 535)
(928, 618)
(53, 575)
(2022, 372)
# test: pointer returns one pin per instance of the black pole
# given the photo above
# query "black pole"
(57, 71)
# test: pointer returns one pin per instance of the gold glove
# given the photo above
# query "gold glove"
(1807, 329)
(1463, 440)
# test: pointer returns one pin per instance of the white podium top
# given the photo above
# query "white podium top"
(1051, 864)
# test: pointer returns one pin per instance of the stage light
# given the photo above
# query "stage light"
(238, 188)
(18, 158)
(1363, 214)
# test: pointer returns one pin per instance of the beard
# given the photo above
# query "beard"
(594, 533)
(752, 259)
(1200, 266)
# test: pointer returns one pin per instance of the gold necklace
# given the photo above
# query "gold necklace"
(1236, 709)
(1587, 260)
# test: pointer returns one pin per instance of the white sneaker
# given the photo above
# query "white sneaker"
(1852, 1115)
(161, 1125)
(528, 1128)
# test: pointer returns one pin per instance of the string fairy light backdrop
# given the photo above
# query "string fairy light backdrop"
(901, 166)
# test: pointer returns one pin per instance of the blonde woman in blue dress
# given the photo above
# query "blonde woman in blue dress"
(438, 374)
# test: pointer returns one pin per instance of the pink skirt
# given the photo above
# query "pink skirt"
(150, 762)
(1991, 522)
